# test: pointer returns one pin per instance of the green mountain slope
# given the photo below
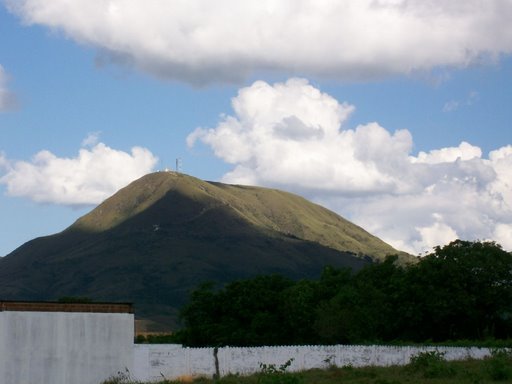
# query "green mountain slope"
(158, 238)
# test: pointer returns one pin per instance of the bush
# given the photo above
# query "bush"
(120, 378)
(431, 365)
(269, 374)
(499, 365)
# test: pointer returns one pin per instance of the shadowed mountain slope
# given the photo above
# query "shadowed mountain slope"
(162, 235)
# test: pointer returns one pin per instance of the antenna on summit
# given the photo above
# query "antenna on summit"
(178, 164)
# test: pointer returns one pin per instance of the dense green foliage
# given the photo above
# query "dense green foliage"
(430, 365)
(460, 291)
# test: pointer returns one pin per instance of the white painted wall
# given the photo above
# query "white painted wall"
(87, 348)
(64, 347)
(153, 362)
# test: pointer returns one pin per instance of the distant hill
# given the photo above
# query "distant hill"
(162, 235)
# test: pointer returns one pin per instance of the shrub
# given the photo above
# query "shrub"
(270, 374)
(120, 378)
(431, 365)
(499, 365)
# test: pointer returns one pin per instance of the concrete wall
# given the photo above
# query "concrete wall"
(87, 348)
(153, 362)
(64, 347)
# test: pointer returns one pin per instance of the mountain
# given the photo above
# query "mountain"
(162, 235)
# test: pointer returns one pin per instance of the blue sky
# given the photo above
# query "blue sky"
(388, 119)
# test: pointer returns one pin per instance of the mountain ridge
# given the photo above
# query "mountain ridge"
(165, 233)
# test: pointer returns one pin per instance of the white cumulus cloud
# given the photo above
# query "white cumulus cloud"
(503, 235)
(438, 233)
(202, 41)
(87, 179)
(464, 151)
(288, 134)
(293, 136)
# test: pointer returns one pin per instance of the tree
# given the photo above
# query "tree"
(245, 312)
(299, 303)
(365, 308)
(199, 318)
(462, 290)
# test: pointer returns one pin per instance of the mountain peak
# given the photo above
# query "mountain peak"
(174, 198)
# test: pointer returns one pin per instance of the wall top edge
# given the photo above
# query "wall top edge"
(328, 346)
(37, 306)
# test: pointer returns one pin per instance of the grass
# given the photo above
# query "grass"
(425, 368)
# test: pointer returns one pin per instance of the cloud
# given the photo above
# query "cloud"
(464, 151)
(453, 105)
(91, 140)
(87, 179)
(437, 233)
(267, 141)
(4, 163)
(7, 98)
(503, 232)
(293, 136)
(228, 40)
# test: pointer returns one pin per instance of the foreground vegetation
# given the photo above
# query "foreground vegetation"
(425, 368)
(462, 291)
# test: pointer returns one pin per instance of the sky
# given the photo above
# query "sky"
(394, 114)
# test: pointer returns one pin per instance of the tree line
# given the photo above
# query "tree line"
(460, 291)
